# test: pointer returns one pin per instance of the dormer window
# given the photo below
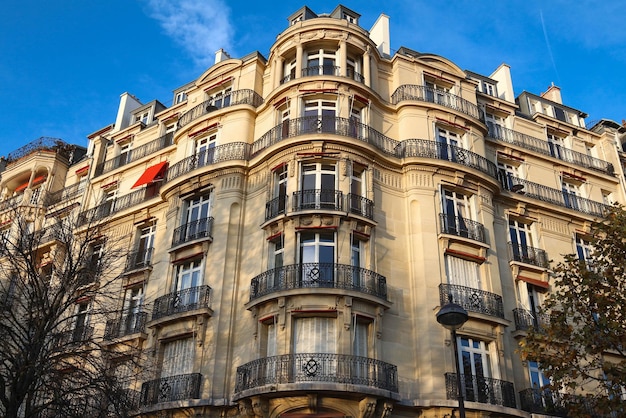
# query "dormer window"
(349, 18)
(298, 18)
(142, 117)
(489, 88)
(180, 97)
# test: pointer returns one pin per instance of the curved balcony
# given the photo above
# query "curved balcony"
(482, 389)
(322, 368)
(528, 255)
(237, 97)
(198, 229)
(169, 389)
(318, 199)
(473, 300)
(218, 154)
(461, 227)
(319, 275)
(184, 300)
(432, 95)
(320, 70)
(110, 207)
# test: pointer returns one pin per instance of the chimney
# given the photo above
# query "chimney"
(553, 93)
(379, 33)
(221, 55)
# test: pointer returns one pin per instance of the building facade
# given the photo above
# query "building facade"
(294, 223)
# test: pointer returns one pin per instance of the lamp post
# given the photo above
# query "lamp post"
(452, 317)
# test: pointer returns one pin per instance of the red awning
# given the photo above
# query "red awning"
(36, 181)
(151, 174)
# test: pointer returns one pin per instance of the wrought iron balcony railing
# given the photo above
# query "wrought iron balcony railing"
(109, 207)
(43, 143)
(220, 153)
(184, 300)
(517, 138)
(581, 159)
(78, 335)
(276, 207)
(320, 70)
(191, 231)
(12, 202)
(236, 97)
(542, 401)
(360, 205)
(525, 320)
(319, 275)
(65, 194)
(317, 199)
(173, 388)
(317, 367)
(481, 389)
(433, 95)
(135, 154)
(473, 300)
(139, 259)
(128, 323)
(459, 226)
(528, 255)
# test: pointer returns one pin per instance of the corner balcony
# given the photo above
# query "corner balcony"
(472, 300)
(236, 97)
(319, 276)
(316, 372)
(169, 389)
(436, 96)
(554, 196)
(321, 199)
(126, 324)
(181, 302)
(461, 227)
(528, 255)
(481, 389)
(525, 320)
(200, 229)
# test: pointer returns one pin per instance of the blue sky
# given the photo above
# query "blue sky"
(64, 63)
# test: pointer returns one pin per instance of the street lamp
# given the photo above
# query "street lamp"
(452, 317)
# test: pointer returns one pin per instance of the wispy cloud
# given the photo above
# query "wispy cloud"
(201, 27)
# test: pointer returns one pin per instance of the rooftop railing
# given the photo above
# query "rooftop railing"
(434, 95)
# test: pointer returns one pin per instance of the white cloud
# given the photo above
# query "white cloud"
(201, 27)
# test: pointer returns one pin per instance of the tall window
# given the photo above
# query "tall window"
(521, 241)
(319, 116)
(145, 246)
(437, 91)
(531, 299)
(571, 193)
(124, 156)
(447, 144)
(289, 71)
(280, 190)
(537, 378)
(132, 318)
(276, 261)
(358, 203)
(462, 272)
(318, 187)
(556, 144)
(317, 258)
(196, 222)
(321, 62)
(221, 98)
(205, 149)
(178, 358)
(284, 113)
(188, 279)
(456, 211)
(475, 359)
(354, 69)
(314, 335)
(508, 175)
(495, 124)
(356, 261)
(81, 321)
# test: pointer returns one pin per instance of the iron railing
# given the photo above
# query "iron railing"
(135, 154)
(191, 231)
(109, 207)
(528, 255)
(320, 70)
(434, 95)
(317, 199)
(517, 138)
(172, 388)
(232, 98)
(459, 226)
(317, 367)
(581, 159)
(220, 153)
(43, 143)
(360, 205)
(65, 194)
(128, 323)
(139, 259)
(78, 335)
(481, 389)
(525, 320)
(12, 202)
(319, 275)
(184, 300)
(542, 401)
(471, 299)
(554, 196)
(275, 207)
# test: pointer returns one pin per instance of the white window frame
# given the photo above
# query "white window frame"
(324, 57)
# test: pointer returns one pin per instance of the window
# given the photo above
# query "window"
(289, 71)
(556, 144)
(489, 88)
(108, 205)
(180, 97)
(356, 262)
(81, 329)
(196, 222)
(132, 315)
(583, 249)
(509, 177)
(318, 187)
(560, 114)
(475, 363)
(142, 117)
(178, 358)
(298, 18)
(320, 116)
(354, 69)
(356, 198)
(187, 282)
(320, 62)
(521, 242)
(496, 125)
(314, 335)
(280, 191)
(438, 91)
(447, 144)
(221, 98)
(455, 212)
(205, 149)
(317, 258)
(94, 265)
(348, 17)
(531, 299)
(276, 262)
(461, 272)
(571, 194)
(145, 246)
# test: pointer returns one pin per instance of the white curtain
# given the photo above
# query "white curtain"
(463, 272)
(315, 335)
(178, 357)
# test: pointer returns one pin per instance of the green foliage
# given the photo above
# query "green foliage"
(583, 348)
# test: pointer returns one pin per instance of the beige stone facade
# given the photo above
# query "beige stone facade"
(295, 222)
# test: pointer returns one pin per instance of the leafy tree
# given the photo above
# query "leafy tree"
(53, 289)
(582, 348)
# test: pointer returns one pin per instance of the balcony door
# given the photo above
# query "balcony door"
(188, 279)
(131, 313)
(508, 174)
(145, 245)
(321, 62)
(178, 359)
(196, 217)
(317, 259)
(456, 211)
(571, 194)
(521, 241)
(319, 187)
(280, 190)
(556, 144)
(205, 150)
(475, 364)
(356, 262)
(314, 338)
(319, 116)
(448, 143)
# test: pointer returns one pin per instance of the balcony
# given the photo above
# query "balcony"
(275, 207)
(359, 205)
(317, 200)
(46, 144)
(218, 154)
(182, 301)
(542, 401)
(168, 389)
(109, 207)
(472, 300)
(139, 259)
(65, 194)
(192, 231)
(78, 335)
(11, 202)
(237, 97)
(126, 324)
(481, 389)
(323, 368)
(554, 196)
(461, 227)
(327, 69)
(319, 275)
(525, 320)
(529, 255)
(432, 95)
(135, 154)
